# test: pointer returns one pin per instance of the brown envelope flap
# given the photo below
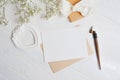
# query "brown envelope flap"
(59, 65)
(74, 16)
(73, 2)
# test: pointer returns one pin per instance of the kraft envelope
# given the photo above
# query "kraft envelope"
(74, 16)
(73, 2)
(59, 65)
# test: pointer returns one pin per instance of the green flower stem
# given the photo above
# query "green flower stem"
(3, 20)
(27, 8)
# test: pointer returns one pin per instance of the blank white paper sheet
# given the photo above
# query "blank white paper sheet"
(64, 44)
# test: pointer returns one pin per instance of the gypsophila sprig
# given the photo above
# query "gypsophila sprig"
(2, 12)
(52, 8)
(25, 9)
(2, 3)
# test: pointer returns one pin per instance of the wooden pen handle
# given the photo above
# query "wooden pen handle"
(97, 48)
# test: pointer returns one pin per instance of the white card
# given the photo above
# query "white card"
(64, 44)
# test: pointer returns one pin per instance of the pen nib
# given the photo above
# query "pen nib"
(91, 29)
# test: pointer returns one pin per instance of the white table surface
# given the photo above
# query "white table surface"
(27, 64)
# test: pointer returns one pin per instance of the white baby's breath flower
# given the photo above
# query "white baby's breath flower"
(52, 8)
(3, 20)
(25, 9)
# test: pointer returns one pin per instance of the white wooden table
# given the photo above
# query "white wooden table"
(17, 64)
